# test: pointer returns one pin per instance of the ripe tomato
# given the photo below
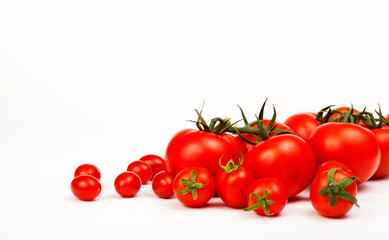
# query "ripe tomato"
(353, 145)
(232, 184)
(190, 147)
(382, 135)
(342, 109)
(333, 193)
(267, 196)
(87, 169)
(163, 184)
(85, 187)
(194, 186)
(142, 169)
(302, 123)
(286, 157)
(326, 166)
(156, 163)
(127, 184)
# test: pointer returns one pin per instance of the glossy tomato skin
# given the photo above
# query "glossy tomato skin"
(85, 187)
(156, 163)
(203, 194)
(127, 184)
(142, 169)
(276, 192)
(163, 184)
(303, 124)
(88, 169)
(382, 135)
(353, 145)
(321, 204)
(326, 166)
(191, 148)
(286, 157)
(232, 187)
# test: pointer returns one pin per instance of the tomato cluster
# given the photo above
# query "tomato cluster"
(260, 165)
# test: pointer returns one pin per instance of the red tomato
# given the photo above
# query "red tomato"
(267, 196)
(286, 157)
(326, 166)
(344, 194)
(190, 147)
(194, 186)
(127, 184)
(342, 109)
(302, 124)
(142, 169)
(163, 184)
(382, 135)
(232, 184)
(85, 187)
(348, 143)
(156, 163)
(87, 169)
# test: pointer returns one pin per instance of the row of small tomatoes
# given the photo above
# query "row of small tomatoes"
(264, 163)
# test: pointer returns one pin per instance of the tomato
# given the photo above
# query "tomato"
(127, 184)
(194, 186)
(232, 183)
(190, 148)
(326, 166)
(85, 187)
(353, 145)
(302, 124)
(342, 109)
(382, 135)
(142, 169)
(156, 163)
(267, 196)
(340, 186)
(87, 169)
(163, 184)
(286, 157)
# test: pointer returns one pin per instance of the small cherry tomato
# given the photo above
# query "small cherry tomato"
(326, 166)
(142, 169)
(127, 184)
(302, 123)
(156, 163)
(87, 169)
(85, 187)
(163, 184)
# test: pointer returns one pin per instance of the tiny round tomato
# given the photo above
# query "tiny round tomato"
(85, 187)
(163, 184)
(333, 193)
(267, 196)
(302, 123)
(127, 184)
(326, 166)
(194, 186)
(382, 135)
(156, 163)
(142, 169)
(87, 169)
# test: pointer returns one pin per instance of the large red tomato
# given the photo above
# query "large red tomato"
(351, 144)
(302, 124)
(286, 157)
(382, 135)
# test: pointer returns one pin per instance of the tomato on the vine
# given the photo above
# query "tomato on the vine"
(382, 135)
(342, 109)
(142, 169)
(302, 124)
(127, 184)
(163, 184)
(156, 163)
(85, 187)
(88, 169)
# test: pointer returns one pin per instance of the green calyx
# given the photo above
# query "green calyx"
(335, 190)
(230, 166)
(191, 186)
(263, 202)
(371, 122)
(324, 115)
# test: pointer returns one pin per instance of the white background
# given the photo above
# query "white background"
(106, 82)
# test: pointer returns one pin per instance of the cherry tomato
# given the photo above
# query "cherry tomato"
(267, 197)
(127, 184)
(194, 186)
(156, 163)
(326, 166)
(382, 135)
(142, 169)
(338, 184)
(343, 109)
(163, 184)
(85, 187)
(87, 169)
(302, 123)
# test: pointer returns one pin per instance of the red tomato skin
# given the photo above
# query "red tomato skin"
(190, 147)
(353, 145)
(276, 192)
(321, 204)
(142, 169)
(302, 124)
(163, 184)
(156, 163)
(286, 157)
(232, 187)
(127, 184)
(326, 166)
(85, 187)
(382, 135)
(88, 169)
(204, 194)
